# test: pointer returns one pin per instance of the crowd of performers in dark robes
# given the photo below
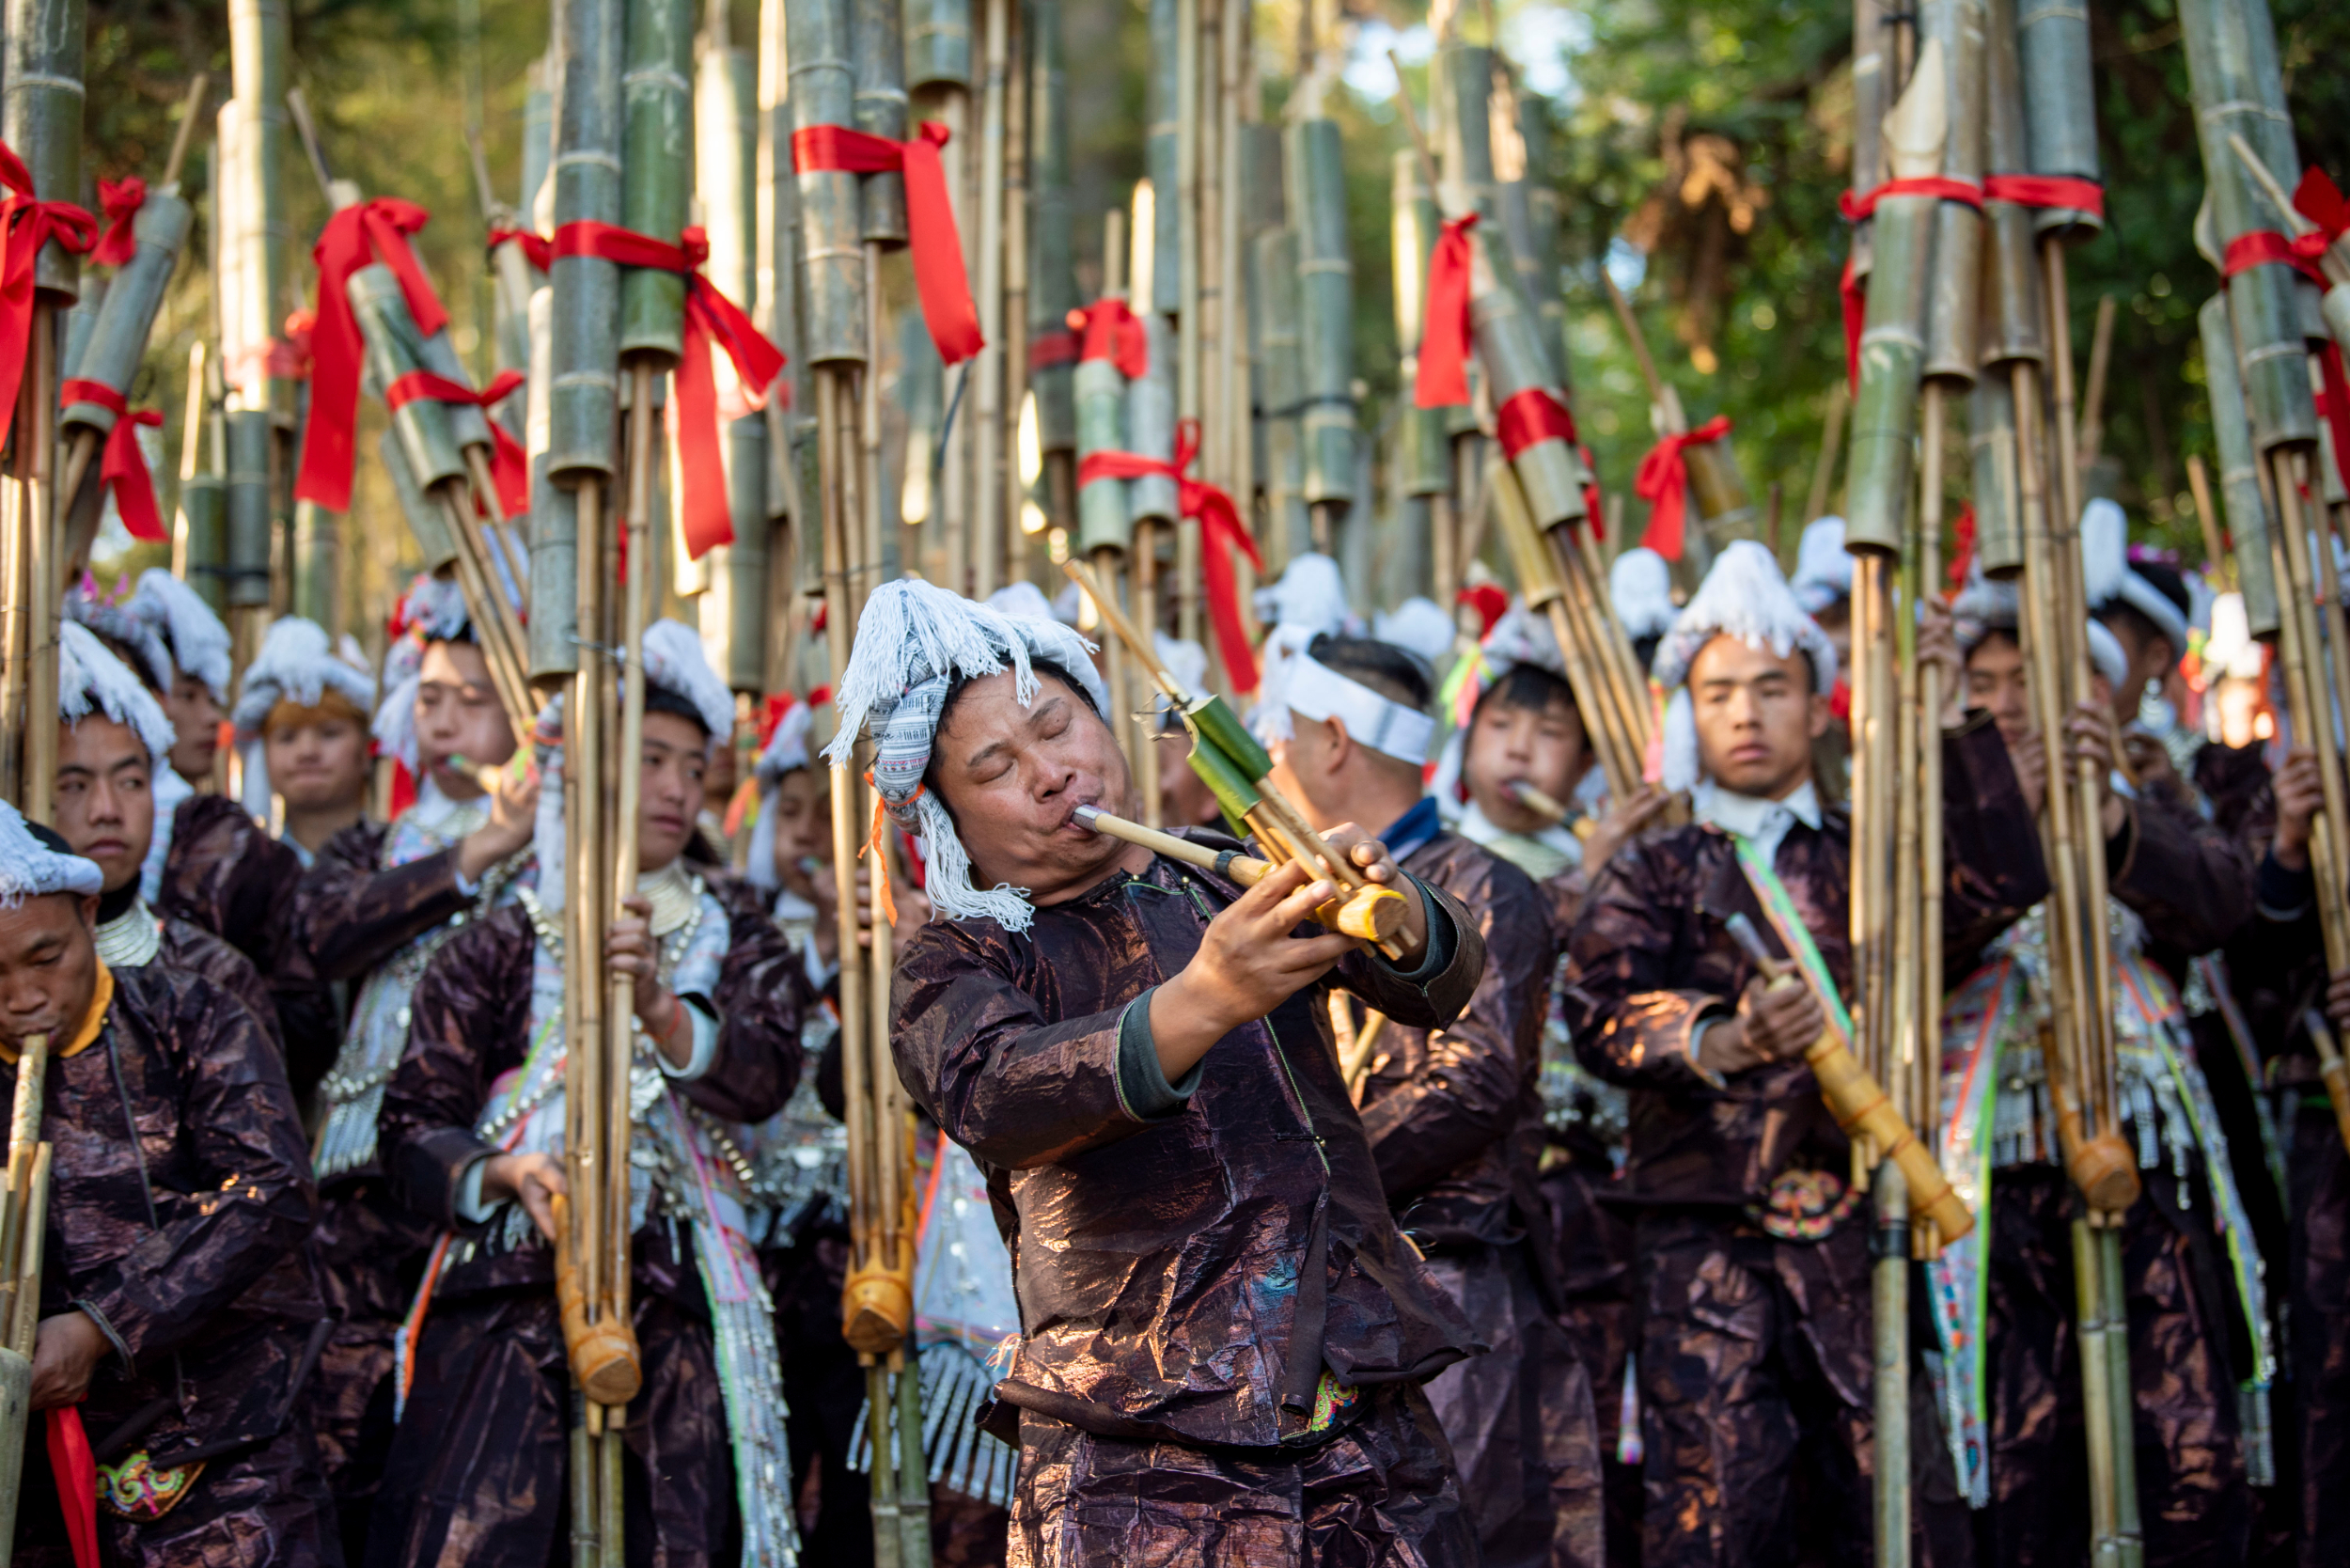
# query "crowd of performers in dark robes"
(1530, 1243)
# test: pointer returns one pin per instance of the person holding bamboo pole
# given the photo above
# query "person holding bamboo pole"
(1738, 1171)
(178, 1310)
(1452, 1115)
(1139, 1053)
(474, 1131)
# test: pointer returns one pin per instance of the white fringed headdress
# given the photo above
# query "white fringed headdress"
(2107, 578)
(123, 624)
(31, 870)
(676, 662)
(298, 664)
(1021, 598)
(1419, 625)
(90, 679)
(785, 751)
(432, 610)
(1742, 597)
(198, 641)
(1823, 566)
(1985, 605)
(1308, 601)
(1519, 637)
(912, 642)
(1640, 584)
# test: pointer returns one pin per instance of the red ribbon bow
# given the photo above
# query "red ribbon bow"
(537, 248)
(1663, 481)
(1221, 532)
(26, 224)
(510, 464)
(2319, 200)
(1442, 380)
(709, 316)
(366, 231)
(1530, 417)
(1107, 329)
(938, 275)
(121, 199)
(122, 465)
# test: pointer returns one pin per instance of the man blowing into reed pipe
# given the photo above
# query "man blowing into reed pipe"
(179, 1310)
(1753, 1274)
(1454, 1115)
(473, 1132)
(2198, 1313)
(1223, 1332)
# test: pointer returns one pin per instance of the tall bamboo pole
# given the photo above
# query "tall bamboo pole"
(988, 446)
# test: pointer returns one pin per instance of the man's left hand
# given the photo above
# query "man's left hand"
(630, 949)
(1370, 857)
(65, 1351)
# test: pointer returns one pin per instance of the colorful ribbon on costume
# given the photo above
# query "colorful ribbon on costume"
(709, 315)
(510, 464)
(1857, 206)
(76, 1474)
(2261, 248)
(1221, 533)
(366, 231)
(938, 275)
(1442, 380)
(1107, 329)
(120, 201)
(122, 465)
(1663, 481)
(26, 224)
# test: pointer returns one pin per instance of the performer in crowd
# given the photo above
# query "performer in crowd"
(1220, 1318)
(1453, 1115)
(302, 716)
(380, 897)
(1753, 1286)
(472, 1130)
(180, 1310)
(792, 842)
(2199, 1323)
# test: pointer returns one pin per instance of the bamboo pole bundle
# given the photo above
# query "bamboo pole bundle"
(1106, 532)
(1326, 297)
(24, 1215)
(791, 541)
(938, 67)
(1051, 275)
(2251, 522)
(1238, 222)
(1280, 384)
(1149, 407)
(986, 371)
(1422, 455)
(2010, 332)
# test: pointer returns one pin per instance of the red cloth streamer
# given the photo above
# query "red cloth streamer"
(2046, 191)
(537, 248)
(709, 315)
(76, 1475)
(123, 466)
(1663, 481)
(1221, 532)
(1962, 558)
(26, 224)
(2333, 405)
(510, 464)
(120, 200)
(938, 275)
(2318, 199)
(1490, 602)
(1049, 349)
(2259, 247)
(1445, 332)
(1859, 204)
(361, 233)
(1532, 415)
(1107, 329)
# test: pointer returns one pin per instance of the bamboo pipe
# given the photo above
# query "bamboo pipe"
(988, 522)
(1373, 914)
(1928, 718)
(1859, 1103)
(1144, 717)
(2312, 709)
(19, 1264)
(36, 421)
(2327, 587)
(1535, 800)
(2093, 400)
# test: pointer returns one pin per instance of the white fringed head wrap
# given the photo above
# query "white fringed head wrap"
(1419, 625)
(1985, 605)
(31, 870)
(1386, 726)
(1519, 637)
(1744, 597)
(785, 751)
(198, 640)
(2105, 656)
(90, 679)
(2107, 578)
(913, 641)
(124, 625)
(298, 664)
(1308, 599)
(1641, 585)
(676, 662)
(1021, 598)
(432, 610)
(1823, 566)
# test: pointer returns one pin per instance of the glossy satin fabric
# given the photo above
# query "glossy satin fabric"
(478, 1469)
(212, 1295)
(1167, 1269)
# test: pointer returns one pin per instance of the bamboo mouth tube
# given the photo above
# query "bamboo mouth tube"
(1373, 915)
(1536, 800)
(2104, 1168)
(604, 1357)
(876, 1310)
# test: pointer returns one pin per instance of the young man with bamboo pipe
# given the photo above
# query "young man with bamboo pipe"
(1453, 1115)
(181, 1310)
(373, 906)
(2179, 888)
(473, 1135)
(1754, 1269)
(1140, 1055)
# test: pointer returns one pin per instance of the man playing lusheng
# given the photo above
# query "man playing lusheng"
(1223, 1330)
(1753, 1278)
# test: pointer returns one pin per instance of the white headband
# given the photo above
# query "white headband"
(1319, 692)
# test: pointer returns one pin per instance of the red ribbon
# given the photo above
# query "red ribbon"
(76, 1475)
(709, 315)
(1533, 416)
(28, 223)
(2047, 191)
(1049, 349)
(2259, 247)
(2333, 405)
(122, 465)
(1859, 204)
(1106, 329)
(938, 275)
(510, 464)
(1663, 481)
(2317, 199)
(1490, 602)
(1963, 557)
(1221, 533)
(366, 231)
(1445, 333)
(537, 248)
(121, 199)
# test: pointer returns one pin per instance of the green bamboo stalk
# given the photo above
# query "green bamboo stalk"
(2012, 316)
(318, 565)
(2250, 527)
(657, 164)
(1151, 425)
(264, 236)
(2059, 104)
(583, 406)
(1161, 159)
(733, 606)
(124, 318)
(41, 118)
(1462, 85)
(878, 57)
(822, 92)
(553, 595)
(1954, 287)
(1326, 297)
(1423, 462)
(1052, 266)
(394, 349)
(1998, 523)
(250, 515)
(1281, 387)
(538, 142)
(938, 43)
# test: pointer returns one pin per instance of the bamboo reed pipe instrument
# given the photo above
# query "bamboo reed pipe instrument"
(24, 1218)
(1374, 916)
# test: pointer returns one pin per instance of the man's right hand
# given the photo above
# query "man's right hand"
(1247, 964)
(1773, 1023)
(2299, 798)
(513, 817)
(531, 1180)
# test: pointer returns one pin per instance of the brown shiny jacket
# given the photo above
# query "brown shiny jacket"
(1649, 960)
(352, 913)
(190, 1247)
(1190, 1276)
(1454, 1115)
